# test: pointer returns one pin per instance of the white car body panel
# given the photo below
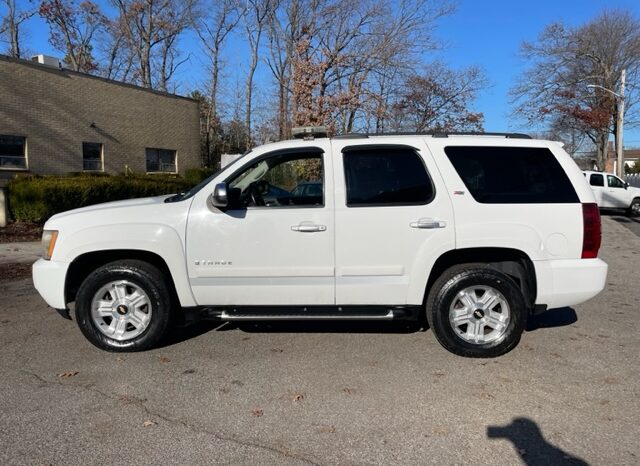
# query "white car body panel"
(365, 255)
(392, 265)
(270, 263)
(147, 224)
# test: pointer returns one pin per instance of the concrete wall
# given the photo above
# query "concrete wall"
(58, 110)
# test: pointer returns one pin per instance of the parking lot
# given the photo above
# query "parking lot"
(328, 394)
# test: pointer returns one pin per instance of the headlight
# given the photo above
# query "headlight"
(49, 238)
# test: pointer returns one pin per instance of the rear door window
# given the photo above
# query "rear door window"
(596, 180)
(385, 176)
(512, 175)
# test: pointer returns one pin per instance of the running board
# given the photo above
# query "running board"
(329, 312)
(224, 315)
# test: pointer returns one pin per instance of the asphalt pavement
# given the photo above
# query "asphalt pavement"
(328, 394)
(632, 223)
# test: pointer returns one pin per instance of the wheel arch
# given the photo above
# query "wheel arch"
(512, 262)
(85, 263)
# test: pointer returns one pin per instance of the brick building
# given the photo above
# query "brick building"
(55, 121)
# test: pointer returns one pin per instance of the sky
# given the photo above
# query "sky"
(486, 33)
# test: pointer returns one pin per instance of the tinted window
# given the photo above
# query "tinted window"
(386, 176)
(614, 182)
(512, 175)
(596, 180)
(92, 156)
(161, 160)
(12, 152)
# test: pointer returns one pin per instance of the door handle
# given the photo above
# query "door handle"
(308, 228)
(428, 224)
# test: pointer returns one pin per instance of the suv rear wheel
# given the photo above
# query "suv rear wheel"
(124, 306)
(476, 311)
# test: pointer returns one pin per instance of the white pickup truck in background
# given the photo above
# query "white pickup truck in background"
(613, 193)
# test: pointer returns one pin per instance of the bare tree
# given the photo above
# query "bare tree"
(564, 60)
(213, 29)
(439, 100)
(348, 50)
(118, 58)
(151, 29)
(11, 26)
(72, 29)
(256, 16)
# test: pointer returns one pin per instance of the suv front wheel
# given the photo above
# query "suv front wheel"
(476, 311)
(124, 306)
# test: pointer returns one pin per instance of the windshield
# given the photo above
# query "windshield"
(192, 192)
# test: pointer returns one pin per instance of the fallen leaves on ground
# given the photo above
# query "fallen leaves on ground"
(164, 359)
(68, 374)
(148, 423)
(327, 430)
(298, 396)
(257, 412)
(14, 271)
(20, 232)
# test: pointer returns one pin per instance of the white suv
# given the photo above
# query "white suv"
(473, 231)
(613, 193)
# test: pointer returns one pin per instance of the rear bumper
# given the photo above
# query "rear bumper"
(48, 279)
(569, 282)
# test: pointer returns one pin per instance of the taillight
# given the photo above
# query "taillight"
(592, 231)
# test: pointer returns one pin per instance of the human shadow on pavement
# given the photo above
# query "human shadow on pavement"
(529, 442)
(552, 318)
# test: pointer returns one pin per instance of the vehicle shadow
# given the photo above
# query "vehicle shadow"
(552, 318)
(529, 442)
(190, 330)
(619, 216)
(393, 327)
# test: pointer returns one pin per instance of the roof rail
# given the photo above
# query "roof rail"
(435, 134)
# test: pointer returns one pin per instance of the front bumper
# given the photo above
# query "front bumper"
(569, 282)
(48, 279)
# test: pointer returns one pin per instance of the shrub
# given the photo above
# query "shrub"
(36, 198)
(193, 176)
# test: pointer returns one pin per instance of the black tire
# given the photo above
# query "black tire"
(634, 208)
(446, 289)
(148, 279)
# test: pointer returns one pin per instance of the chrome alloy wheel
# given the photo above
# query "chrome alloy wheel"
(121, 310)
(479, 314)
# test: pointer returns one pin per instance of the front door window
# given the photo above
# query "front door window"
(284, 180)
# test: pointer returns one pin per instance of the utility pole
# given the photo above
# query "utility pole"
(620, 128)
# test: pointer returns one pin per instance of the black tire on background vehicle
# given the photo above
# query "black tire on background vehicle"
(124, 306)
(476, 311)
(634, 208)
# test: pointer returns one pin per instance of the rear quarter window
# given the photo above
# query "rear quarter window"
(512, 175)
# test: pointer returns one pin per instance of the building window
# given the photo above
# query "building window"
(161, 160)
(92, 156)
(13, 154)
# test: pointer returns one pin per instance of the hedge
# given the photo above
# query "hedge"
(36, 198)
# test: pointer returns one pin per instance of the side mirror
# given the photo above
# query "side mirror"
(220, 196)
(626, 185)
